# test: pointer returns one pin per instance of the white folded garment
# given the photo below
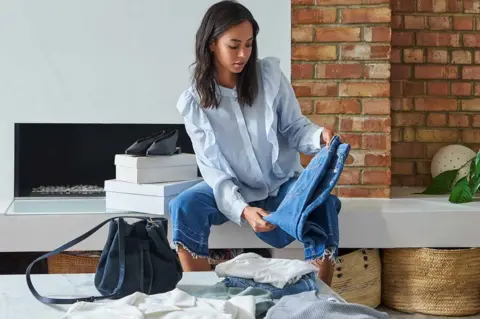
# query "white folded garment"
(174, 304)
(277, 272)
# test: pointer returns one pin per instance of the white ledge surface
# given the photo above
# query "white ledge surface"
(405, 220)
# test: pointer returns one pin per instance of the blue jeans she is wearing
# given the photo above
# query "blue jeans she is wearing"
(303, 209)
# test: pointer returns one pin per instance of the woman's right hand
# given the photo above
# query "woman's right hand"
(254, 217)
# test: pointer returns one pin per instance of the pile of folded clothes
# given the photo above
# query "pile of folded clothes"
(253, 287)
(281, 277)
(293, 286)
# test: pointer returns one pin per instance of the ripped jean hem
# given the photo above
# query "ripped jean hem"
(195, 255)
(330, 253)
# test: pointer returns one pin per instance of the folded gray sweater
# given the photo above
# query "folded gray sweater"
(308, 305)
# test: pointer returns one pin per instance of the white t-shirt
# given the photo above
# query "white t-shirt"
(174, 304)
(277, 272)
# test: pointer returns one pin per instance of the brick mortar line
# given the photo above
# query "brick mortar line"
(440, 128)
(300, 61)
(435, 30)
(356, 115)
(424, 144)
(350, 115)
(383, 43)
(425, 127)
(343, 25)
(369, 134)
(353, 62)
(434, 14)
(447, 97)
(438, 80)
(356, 62)
(428, 31)
(468, 113)
(339, 6)
(439, 65)
(379, 44)
(372, 186)
(337, 80)
(449, 49)
(340, 98)
(434, 128)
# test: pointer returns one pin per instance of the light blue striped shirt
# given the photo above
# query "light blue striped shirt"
(246, 153)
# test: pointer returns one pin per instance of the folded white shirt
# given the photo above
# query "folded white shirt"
(274, 271)
(170, 305)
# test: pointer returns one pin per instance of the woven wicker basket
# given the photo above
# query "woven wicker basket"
(357, 278)
(73, 263)
(432, 281)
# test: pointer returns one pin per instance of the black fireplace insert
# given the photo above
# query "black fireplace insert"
(74, 159)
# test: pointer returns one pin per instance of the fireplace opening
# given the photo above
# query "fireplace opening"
(74, 160)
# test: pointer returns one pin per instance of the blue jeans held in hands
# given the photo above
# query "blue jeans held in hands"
(303, 209)
(309, 213)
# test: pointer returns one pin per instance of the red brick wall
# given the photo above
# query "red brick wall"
(341, 76)
(435, 84)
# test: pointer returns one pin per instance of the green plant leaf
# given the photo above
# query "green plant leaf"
(442, 183)
(461, 193)
(476, 182)
(472, 177)
(477, 165)
(476, 188)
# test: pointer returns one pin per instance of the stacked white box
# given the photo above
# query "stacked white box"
(146, 184)
(152, 198)
(155, 169)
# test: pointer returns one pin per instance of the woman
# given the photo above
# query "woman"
(247, 130)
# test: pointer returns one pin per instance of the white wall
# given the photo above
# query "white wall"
(106, 61)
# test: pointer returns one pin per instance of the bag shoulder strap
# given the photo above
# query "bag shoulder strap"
(121, 244)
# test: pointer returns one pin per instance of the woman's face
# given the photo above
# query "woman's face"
(234, 47)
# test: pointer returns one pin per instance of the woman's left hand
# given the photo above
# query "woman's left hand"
(326, 136)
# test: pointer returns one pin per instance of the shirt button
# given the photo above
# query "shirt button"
(234, 94)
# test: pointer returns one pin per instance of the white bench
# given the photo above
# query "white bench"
(406, 220)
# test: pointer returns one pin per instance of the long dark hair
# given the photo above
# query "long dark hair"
(218, 19)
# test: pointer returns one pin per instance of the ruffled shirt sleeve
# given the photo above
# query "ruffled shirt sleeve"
(301, 133)
(215, 169)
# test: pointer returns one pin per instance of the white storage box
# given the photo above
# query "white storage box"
(155, 169)
(143, 198)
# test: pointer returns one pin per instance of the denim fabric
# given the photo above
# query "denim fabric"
(306, 283)
(309, 213)
(303, 209)
(194, 211)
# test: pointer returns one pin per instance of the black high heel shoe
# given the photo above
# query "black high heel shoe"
(165, 145)
(139, 148)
